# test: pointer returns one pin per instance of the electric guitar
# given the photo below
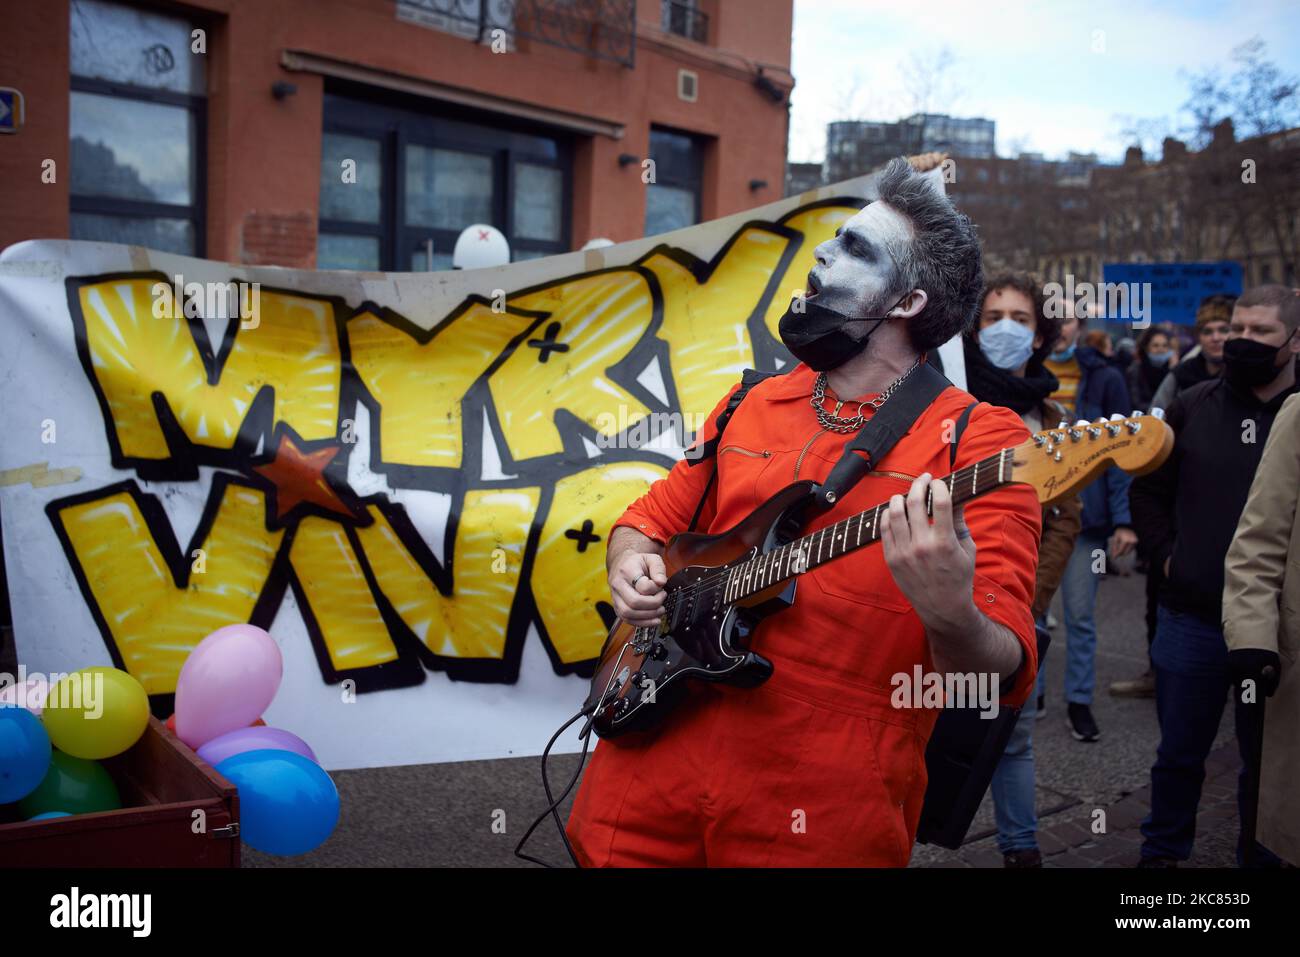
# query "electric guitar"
(721, 586)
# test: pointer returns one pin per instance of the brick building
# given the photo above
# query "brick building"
(368, 133)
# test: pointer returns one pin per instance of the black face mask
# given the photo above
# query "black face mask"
(1249, 364)
(817, 338)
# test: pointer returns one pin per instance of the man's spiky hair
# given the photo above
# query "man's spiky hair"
(942, 257)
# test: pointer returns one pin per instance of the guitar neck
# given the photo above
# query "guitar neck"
(856, 531)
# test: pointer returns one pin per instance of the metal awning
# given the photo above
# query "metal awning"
(302, 62)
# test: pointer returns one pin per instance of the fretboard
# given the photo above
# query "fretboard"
(856, 531)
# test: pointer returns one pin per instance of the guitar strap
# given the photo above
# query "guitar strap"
(748, 379)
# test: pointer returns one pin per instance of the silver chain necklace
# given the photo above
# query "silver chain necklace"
(837, 423)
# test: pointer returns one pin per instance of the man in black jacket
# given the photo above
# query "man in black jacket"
(1186, 513)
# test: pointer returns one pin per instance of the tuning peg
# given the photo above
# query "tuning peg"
(1135, 414)
(1158, 413)
(1081, 422)
(1063, 424)
(1116, 417)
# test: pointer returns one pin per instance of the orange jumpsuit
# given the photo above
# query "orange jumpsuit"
(815, 767)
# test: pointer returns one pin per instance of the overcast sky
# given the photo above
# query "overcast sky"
(1029, 66)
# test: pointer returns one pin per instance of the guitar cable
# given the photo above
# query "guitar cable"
(553, 808)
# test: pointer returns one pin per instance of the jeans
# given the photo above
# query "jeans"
(1013, 788)
(1013, 784)
(1079, 596)
(1192, 686)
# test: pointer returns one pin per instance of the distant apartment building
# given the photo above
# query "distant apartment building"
(801, 177)
(854, 147)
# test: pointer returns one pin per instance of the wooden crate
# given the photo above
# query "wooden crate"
(162, 783)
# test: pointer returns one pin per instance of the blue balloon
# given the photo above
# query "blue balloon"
(49, 814)
(24, 753)
(287, 804)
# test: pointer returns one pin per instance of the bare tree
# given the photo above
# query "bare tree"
(928, 80)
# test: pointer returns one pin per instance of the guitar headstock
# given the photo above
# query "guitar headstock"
(1061, 461)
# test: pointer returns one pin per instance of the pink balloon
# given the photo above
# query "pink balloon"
(226, 683)
(254, 739)
(31, 694)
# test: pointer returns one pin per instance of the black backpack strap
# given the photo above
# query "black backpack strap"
(748, 379)
(958, 429)
(883, 430)
(703, 498)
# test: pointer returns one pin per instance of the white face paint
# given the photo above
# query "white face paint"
(855, 273)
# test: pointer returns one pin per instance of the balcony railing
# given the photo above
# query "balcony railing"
(605, 29)
(684, 19)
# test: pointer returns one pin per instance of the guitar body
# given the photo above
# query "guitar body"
(642, 672)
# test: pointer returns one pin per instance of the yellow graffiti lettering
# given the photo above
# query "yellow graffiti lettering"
(472, 621)
(134, 354)
(593, 323)
(153, 622)
(338, 597)
(419, 385)
(704, 323)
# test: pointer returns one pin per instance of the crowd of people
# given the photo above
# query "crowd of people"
(1215, 530)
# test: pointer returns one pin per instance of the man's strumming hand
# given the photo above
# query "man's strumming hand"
(636, 577)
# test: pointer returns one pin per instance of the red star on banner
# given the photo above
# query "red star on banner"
(299, 477)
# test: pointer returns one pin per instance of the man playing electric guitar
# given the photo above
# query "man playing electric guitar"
(816, 766)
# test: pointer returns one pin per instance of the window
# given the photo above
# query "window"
(683, 17)
(673, 199)
(399, 185)
(136, 128)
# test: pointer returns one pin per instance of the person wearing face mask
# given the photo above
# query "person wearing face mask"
(716, 783)
(1212, 318)
(1186, 513)
(1004, 366)
(1155, 357)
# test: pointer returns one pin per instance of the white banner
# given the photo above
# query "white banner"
(407, 478)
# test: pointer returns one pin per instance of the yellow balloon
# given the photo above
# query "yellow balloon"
(96, 713)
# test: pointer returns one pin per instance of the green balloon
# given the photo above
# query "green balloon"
(75, 785)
